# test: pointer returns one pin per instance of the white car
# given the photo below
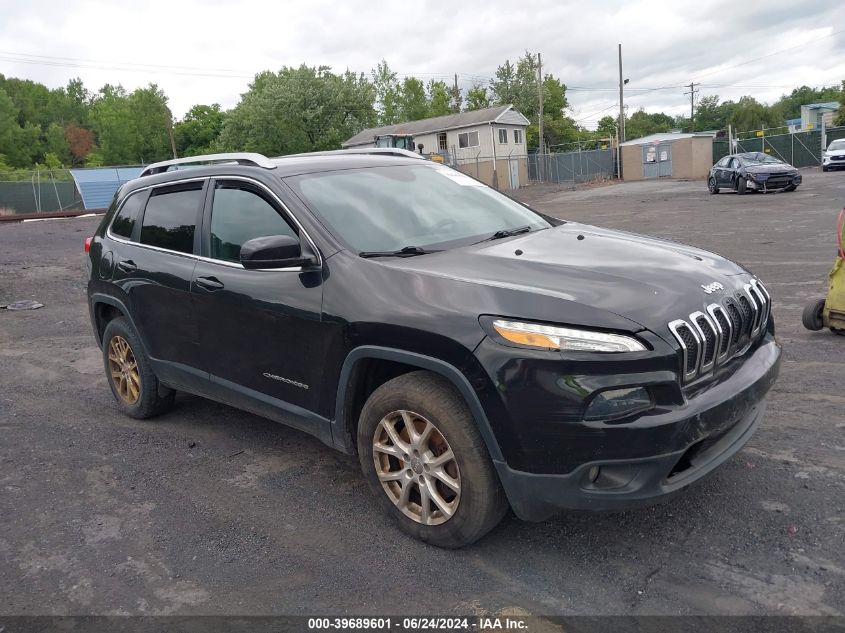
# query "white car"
(834, 156)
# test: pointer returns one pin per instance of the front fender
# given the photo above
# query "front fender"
(341, 426)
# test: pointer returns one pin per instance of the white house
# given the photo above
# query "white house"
(488, 144)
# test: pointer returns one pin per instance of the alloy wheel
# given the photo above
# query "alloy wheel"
(123, 370)
(416, 467)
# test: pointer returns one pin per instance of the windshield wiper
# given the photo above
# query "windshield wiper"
(407, 251)
(506, 233)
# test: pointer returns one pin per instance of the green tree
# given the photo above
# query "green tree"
(413, 103)
(840, 115)
(606, 126)
(643, 123)
(386, 85)
(503, 87)
(198, 132)
(790, 105)
(111, 120)
(299, 110)
(150, 123)
(750, 114)
(439, 99)
(56, 144)
(477, 98)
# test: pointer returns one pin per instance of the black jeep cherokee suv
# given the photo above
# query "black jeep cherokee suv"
(474, 353)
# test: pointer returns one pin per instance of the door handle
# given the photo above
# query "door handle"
(127, 266)
(209, 283)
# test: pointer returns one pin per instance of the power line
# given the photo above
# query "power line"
(783, 50)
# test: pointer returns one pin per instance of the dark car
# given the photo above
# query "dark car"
(753, 171)
(475, 354)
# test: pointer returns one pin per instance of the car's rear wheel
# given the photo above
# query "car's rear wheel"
(426, 462)
(812, 315)
(741, 185)
(711, 185)
(129, 373)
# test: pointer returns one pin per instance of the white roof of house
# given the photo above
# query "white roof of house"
(664, 137)
(498, 114)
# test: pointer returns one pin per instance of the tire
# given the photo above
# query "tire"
(711, 186)
(135, 387)
(812, 315)
(740, 186)
(418, 399)
(825, 168)
(791, 188)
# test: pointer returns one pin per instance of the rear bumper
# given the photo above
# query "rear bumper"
(724, 421)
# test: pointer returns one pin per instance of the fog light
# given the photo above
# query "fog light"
(613, 404)
(593, 474)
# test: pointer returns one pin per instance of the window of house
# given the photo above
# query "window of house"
(517, 136)
(238, 215)
(441, 142)
(468, 139)
(503, 135)
(124, 222)
(170, 218)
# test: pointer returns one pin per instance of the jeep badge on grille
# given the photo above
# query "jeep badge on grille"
(711, 288)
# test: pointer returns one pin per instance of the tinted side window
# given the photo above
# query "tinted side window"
(239, 215)
(170, 218)
(124, 222)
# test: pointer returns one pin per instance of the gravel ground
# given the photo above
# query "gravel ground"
(208, 510)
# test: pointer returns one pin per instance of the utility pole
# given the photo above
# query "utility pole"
(540, 94)
(621, 136)
(692, 92)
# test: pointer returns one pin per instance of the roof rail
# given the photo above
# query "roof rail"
(384, 151)
(241, 158)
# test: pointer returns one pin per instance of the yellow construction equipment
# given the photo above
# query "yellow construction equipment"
(830, 312)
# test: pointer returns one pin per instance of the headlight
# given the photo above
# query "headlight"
(564, 339)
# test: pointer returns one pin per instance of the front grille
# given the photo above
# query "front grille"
(726, 330)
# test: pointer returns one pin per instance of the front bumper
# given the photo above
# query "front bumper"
(710, 427)
(773, 183)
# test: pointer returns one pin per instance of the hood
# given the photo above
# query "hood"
(769, 169)
(645, 280)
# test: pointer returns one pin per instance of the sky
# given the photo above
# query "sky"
(207, 51)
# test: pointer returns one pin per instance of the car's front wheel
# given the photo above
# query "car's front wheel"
(741, 185)
(711, 185)
(129, 373)
(426, 462)
(825, 168)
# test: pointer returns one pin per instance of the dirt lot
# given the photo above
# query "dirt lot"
(209, 510)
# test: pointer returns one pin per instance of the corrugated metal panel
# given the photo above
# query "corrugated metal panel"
(98, 185)
(664, 137)
(427, 126)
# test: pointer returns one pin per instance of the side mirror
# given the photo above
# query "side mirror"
(273, 251)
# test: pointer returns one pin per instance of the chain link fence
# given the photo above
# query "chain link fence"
(514, 171)
(801, 149)
(38, 191)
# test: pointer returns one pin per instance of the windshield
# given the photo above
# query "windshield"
(758, 158)
(388, 208)
(836, 145)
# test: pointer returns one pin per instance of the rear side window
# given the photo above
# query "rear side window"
(124, 222)
(238, 215)
(170, 219)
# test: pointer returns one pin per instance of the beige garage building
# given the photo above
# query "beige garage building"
(668, 155)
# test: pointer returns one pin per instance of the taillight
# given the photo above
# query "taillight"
(88, 243)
